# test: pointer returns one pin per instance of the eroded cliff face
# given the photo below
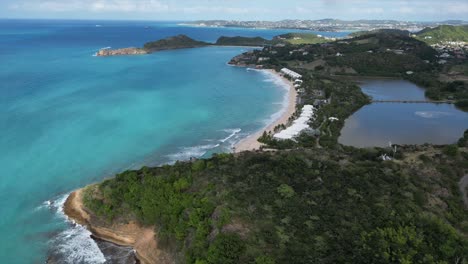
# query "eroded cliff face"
(121, 52)
(142, 239)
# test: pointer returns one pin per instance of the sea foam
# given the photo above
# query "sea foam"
(192, 152)
(74, 244)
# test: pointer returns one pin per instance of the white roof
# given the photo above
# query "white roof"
(298, 124)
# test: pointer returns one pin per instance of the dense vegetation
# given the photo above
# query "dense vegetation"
(384, 55)
(386, 31)
(304, 206)
(443, 33)
(176, 42)
(314, 200)
(242, 41)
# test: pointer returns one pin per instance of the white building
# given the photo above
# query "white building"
(291, 74)
(298, 125)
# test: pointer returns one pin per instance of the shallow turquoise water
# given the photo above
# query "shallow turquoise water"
(378, 124)
(68, 119)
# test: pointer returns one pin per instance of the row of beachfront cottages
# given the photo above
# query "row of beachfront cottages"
(292, 74)
(300, 125)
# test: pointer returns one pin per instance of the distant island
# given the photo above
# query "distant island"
(171, 43)
(326, 24)
(185, 42)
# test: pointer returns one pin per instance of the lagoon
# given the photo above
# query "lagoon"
(378, 124)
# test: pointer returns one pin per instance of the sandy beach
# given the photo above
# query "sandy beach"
(250, 143)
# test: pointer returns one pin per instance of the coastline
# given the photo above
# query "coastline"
(250, 143)
(141, 239)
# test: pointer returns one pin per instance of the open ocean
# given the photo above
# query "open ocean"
(68, 119)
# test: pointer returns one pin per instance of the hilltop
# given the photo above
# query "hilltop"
(383, 31)
(242, 41)
(170, 43)
(330, 206)
(443, 34)
(301, 38)
(176, 42)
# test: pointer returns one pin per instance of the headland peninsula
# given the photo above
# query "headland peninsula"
(305, 196)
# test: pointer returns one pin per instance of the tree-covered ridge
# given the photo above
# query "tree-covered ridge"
(303, 206)
(384, 54)
(176, 42)
(385, 31)
(443, 33)
(243, 41)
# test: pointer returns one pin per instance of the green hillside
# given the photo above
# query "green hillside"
(301, 38)
(301, 206)
(176, 42)
(242, 41)
(386, 31)
(443, 33)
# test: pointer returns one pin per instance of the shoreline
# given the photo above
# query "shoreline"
(250, 143)
(141, 239)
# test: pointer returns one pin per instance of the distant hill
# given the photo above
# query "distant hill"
(242, 41)
(176, 42)
(443, 33)
(386, 31)
(301, 38)
(454, 22)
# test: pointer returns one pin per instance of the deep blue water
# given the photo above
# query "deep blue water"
(378, 124)
(68, 119)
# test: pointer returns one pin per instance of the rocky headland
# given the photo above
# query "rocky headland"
(131, 234)
(184, 42)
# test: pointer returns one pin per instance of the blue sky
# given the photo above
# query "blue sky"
(420, 10)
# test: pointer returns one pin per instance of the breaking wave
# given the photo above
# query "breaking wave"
(233, 133)
(192, 152)
(74, 244)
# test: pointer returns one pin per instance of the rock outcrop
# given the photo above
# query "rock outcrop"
(142, 239)
(121, 52)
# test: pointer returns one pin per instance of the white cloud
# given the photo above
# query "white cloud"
(368, 10)
(92, 5)
(218, 10)
(244, 9)
(457, 8)
(405, 10)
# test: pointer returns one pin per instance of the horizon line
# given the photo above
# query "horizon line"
(240, 20)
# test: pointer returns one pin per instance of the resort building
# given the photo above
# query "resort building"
(298, 125)
(294, 75)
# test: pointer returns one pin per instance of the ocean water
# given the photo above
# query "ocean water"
(68, 119)
(378, 124)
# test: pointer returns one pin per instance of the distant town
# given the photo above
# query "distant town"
(328, 24)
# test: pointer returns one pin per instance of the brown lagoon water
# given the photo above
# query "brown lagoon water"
(378, 124)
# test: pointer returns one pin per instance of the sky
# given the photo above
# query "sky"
(408, 10)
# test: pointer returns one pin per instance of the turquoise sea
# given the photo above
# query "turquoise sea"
(68, 119)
